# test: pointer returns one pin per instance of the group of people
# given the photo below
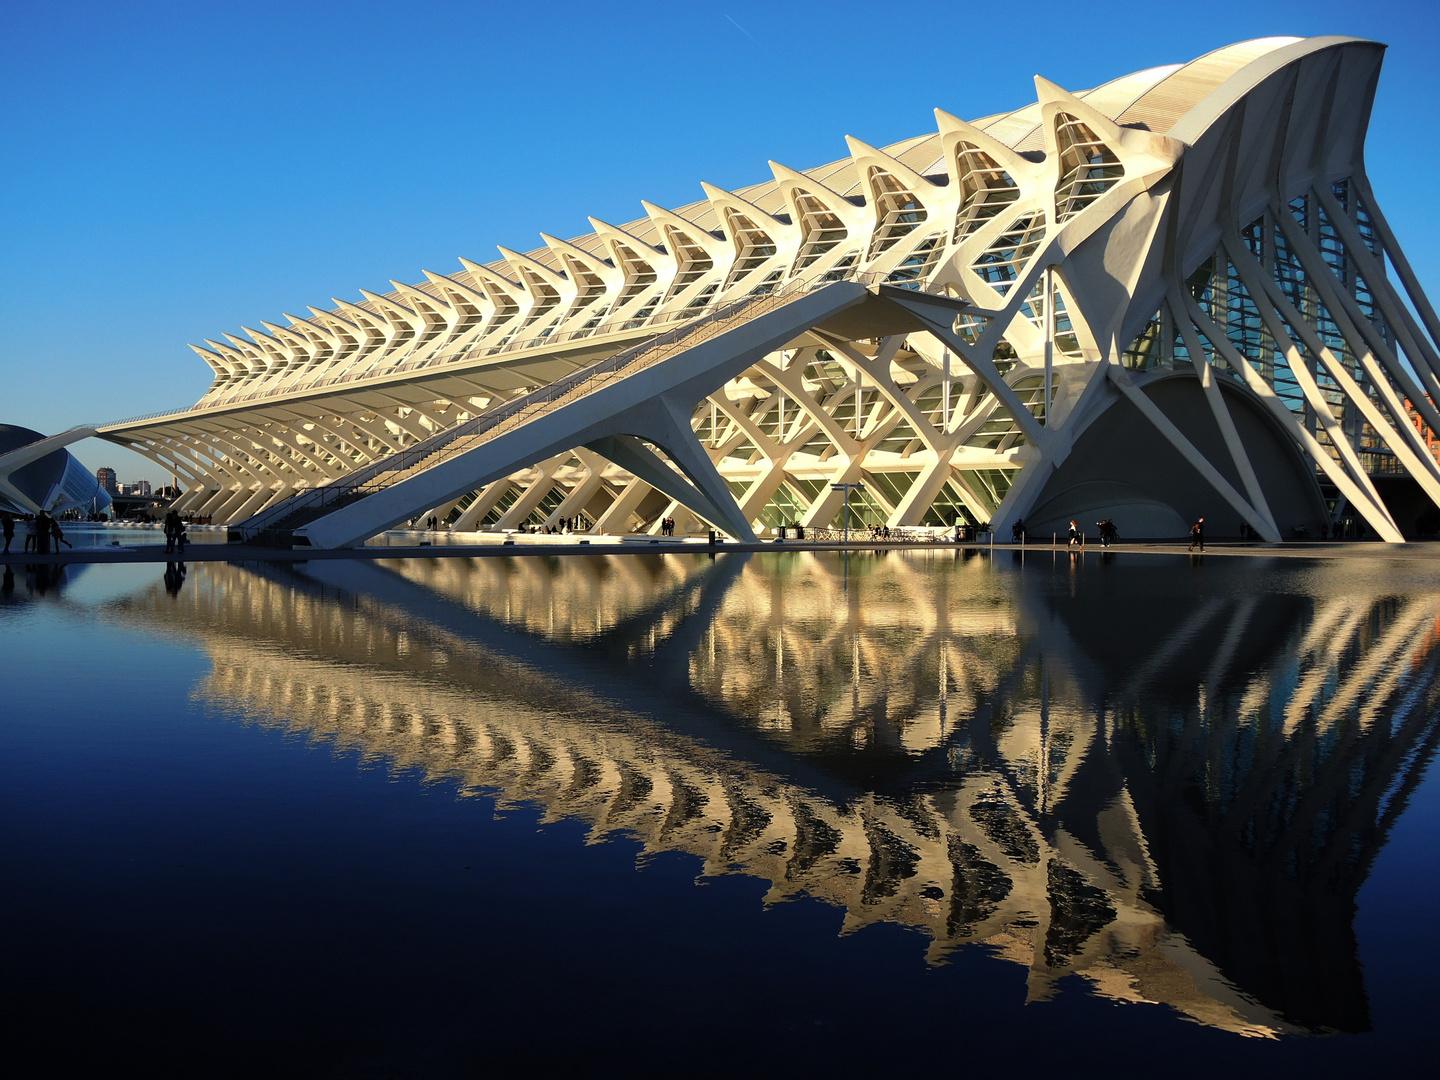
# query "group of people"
(667, 526)
(41, 533)
(566, 525)
(175, 536)
(1107, 530)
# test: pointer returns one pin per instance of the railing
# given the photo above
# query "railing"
(461, 357)
(146, 416)
(912, 534)
(393, 468)
(464, 356)
(478, 352)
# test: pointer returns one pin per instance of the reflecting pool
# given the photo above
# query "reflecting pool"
(694, 814)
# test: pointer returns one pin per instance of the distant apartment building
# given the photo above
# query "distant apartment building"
(1432, 439)
(105, 477)
(140, 487)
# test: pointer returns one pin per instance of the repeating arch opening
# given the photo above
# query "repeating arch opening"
(1088, 168)
(1001, 262)
(898, 212)
(821, 230)
(753, 247)
(985, 189)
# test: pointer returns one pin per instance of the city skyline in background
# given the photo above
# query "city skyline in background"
(182, 172)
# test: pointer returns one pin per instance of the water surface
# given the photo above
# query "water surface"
(769, 813)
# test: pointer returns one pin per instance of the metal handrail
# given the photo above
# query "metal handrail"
(475, 352)
(479, 352)
(899, 534)
(362, 481)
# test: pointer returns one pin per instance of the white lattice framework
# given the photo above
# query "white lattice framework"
(1209, 222)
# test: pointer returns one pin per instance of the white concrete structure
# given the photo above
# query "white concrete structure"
(38, 473)
(1170, 296)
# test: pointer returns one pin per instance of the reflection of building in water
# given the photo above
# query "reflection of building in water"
(35, 582)
(1181, 812)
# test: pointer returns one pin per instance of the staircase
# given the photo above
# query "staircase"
(276, 523)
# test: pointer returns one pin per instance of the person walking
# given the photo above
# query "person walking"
(7, 525)
(1074, 535)
(1197, 534)
(58, 536)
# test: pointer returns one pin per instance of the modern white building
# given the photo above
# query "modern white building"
(1170, 296)
(38, 474)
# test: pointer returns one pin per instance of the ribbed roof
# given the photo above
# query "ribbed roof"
(1154, 100)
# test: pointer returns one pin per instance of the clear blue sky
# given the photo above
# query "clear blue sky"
(169, 171)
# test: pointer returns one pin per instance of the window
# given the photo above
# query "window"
(1088, 168)
(785, 507)
(970, 327)
(589, 288)
(898, 212)
(821, 230)
(692, 263)
(918, 265)
(546, 297)
(1002, 261)
(947, 507)
(753, 247)
(1033, 309)
(985, 189)
(640, 276)
(1144, 352)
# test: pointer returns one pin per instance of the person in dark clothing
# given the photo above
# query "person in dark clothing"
(42, 533)
(58, 536)
(7, 525)
(1017, 531)
(1074, 535)
(1197, 535)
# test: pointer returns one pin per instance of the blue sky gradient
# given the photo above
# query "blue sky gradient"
(172, 171)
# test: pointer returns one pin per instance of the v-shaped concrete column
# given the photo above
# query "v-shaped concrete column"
(653, 402)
